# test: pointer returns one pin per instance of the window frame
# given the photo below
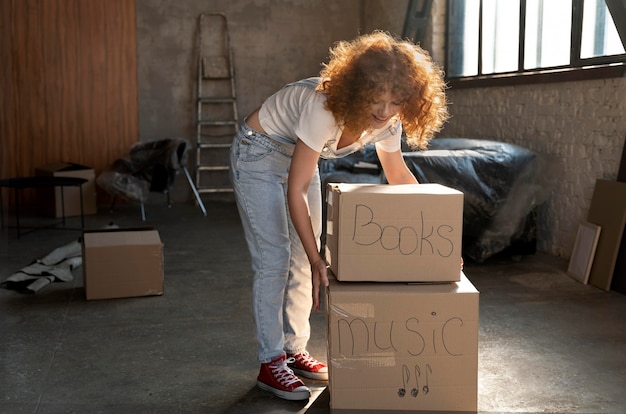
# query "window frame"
(599, 67)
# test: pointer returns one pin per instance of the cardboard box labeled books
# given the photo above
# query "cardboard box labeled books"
(49, 199)
(403, 347)
(394, 233)
(121, 263)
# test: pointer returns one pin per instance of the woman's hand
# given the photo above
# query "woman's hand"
(319, 273)
(395, 168)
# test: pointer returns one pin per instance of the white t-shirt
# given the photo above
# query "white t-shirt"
(297, 112)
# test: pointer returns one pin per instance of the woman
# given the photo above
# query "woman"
(372, 89)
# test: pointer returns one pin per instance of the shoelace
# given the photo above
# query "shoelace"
(306, 359)
(283, 373)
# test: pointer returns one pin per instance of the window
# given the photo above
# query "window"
(547, 35)
(492, 38)
(599, 34)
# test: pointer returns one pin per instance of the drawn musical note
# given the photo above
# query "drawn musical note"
(406, 377)
(425, 387)
(418, 372)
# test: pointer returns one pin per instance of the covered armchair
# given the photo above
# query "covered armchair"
(503, 185)
(151, 166)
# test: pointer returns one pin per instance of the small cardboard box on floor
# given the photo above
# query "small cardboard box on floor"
(403, 346)
(49, 199)
(122, 263)
(394, 233)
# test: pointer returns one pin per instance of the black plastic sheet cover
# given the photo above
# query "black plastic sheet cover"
(502, 185)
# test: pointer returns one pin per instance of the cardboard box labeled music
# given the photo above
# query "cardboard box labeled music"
(398, 346)
(122, 263)
(394, 233)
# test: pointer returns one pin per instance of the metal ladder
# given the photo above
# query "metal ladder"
(216, 101)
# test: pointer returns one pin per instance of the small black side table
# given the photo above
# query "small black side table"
(20, 183)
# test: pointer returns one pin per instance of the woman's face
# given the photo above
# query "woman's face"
(383, 108)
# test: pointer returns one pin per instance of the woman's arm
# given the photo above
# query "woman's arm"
(397, 171)
(395, 168)
(303, 164)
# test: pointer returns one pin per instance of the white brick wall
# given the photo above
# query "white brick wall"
(580, 126)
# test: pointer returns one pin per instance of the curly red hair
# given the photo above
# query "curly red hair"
(360, 70)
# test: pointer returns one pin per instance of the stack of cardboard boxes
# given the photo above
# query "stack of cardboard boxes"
(402, 316)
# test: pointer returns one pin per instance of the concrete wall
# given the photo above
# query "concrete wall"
(274, 42)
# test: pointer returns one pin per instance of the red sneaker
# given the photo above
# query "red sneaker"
(277, 378)
(307, 366)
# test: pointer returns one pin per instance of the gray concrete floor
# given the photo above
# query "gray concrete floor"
(546, 343)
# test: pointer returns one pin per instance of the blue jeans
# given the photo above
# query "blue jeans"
(282, 286)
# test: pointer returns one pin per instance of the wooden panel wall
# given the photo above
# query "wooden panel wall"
(68, 79)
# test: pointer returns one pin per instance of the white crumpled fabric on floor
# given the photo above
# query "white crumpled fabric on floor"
(55, 266)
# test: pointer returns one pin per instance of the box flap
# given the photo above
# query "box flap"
(119, 229)
(121, 237)
(426, 188)
(403, 288)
